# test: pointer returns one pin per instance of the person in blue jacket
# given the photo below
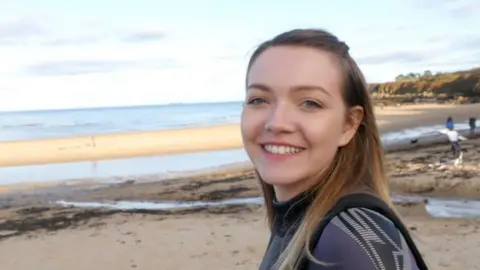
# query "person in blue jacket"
(309, 128)
(449, 124)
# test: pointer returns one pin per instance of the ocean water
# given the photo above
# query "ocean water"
(445, 208)
(120, 169)
(74, 122)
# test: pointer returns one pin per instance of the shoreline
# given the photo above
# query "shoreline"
(166, 175)
(191, 140)
(63, 184)
(421, 170)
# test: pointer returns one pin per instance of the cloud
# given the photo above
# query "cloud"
(464, 9)
(72, 41)
(143, 36)
(398, 57)
(423, 49)
(40, 29)
(20, 30)
(454, 9)
(94, 38)
(62, 68)
(465, 42)
(44, 30)
(75, 67)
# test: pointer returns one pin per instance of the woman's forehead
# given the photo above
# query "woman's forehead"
(293, 67)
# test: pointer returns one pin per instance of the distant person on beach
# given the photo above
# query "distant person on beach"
(308, 126)
(449, 124)
(472, 122)
(454, 137)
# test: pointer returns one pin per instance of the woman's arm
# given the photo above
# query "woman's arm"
(361, 239)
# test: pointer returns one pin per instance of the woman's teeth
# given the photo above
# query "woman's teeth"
(282, 150)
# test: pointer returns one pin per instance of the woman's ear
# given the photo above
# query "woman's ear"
(353, 120)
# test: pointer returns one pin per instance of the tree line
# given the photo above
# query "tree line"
(413, 75)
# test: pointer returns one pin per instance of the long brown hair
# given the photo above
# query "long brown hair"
(363, 155)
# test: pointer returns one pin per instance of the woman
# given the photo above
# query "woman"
(309, 129)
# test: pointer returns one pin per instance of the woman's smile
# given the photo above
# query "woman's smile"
(280, 151)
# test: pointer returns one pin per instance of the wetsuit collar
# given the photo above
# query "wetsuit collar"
(288, 214)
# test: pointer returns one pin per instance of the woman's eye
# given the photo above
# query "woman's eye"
(256, 101)
(312, 104)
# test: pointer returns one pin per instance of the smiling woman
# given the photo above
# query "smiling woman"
(309, 128)
(282, 104)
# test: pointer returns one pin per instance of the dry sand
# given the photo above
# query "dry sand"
(109, 146)
(38, 235)
(119, 145)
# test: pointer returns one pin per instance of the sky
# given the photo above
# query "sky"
(73, 54)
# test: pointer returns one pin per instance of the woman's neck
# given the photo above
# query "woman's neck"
(284, 194)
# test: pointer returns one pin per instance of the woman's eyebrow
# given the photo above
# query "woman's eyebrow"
(259, 86)
(310, 88)
(296, 88)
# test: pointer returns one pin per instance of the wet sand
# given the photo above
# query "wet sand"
(202, 241)
(429, 171)
(37, 234)
(110, 146)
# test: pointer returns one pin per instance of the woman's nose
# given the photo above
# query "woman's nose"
(279, 120)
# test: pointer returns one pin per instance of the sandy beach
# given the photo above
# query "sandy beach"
(202, 241)
(37, 233)
(110, 146)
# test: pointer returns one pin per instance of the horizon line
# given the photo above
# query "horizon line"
(119, 106)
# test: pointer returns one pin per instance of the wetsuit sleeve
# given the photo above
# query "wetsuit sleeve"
(361, 239)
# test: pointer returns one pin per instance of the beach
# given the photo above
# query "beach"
(202, 241)
(133, 224)
(35, 233)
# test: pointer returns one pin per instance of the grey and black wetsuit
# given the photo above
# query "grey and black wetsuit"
(355, 239)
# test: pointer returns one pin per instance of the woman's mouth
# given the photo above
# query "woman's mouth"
(281, 149)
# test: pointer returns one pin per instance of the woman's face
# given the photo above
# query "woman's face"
(294, 118)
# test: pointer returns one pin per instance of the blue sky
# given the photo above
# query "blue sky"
(70, 54)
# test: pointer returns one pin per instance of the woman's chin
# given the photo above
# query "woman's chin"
(279, 179)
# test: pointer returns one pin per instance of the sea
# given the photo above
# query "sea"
(28, 125)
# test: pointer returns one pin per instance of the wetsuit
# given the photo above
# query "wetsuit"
(356, 239)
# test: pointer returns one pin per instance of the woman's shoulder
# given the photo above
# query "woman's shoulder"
(360, 238)
(360, 220)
